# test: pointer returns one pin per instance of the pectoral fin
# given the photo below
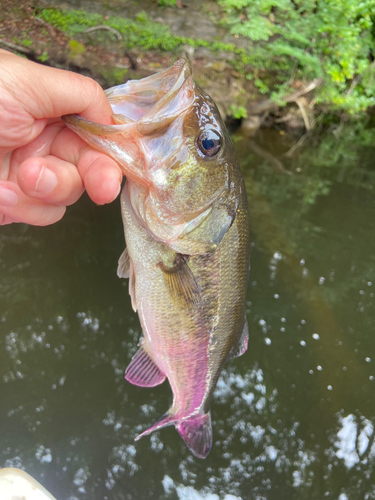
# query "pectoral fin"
(143, 371)
(181, 283)
(205, 236)
(123, 269)
(241, 346)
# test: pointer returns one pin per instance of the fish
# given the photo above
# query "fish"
(186, 225)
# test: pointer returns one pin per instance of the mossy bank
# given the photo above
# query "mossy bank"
(253, 57)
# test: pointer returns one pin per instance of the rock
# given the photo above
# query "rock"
(250, 125)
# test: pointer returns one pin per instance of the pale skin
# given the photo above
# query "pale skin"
(44, 166)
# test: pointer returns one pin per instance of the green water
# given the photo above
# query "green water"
(292, 419)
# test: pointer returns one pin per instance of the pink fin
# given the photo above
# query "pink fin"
(143, 371)
(164, 421)
(196, 431)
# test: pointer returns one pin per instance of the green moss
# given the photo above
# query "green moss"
(114, 76)
(27, 43)
(167, 3)
(76, 48)
(139, 32)
(72, 21)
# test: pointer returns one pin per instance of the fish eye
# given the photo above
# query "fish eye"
(209, 142)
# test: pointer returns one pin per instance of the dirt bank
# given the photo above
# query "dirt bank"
(102, 53)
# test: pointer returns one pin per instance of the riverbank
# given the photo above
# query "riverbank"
(113, 43)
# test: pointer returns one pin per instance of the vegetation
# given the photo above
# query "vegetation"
(139, 32)
(287, 42)
(238, 112)
(305, 39)
(167, 3)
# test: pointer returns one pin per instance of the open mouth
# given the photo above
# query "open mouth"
(138, 98)
(150, 104)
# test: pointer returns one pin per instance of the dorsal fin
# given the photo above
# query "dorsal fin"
(143, 371)
(181, 283)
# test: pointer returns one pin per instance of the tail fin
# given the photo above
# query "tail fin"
(196, 431)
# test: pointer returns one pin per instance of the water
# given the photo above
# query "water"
(292, 419)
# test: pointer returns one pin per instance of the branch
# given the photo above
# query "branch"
(105, 27)
(18, 48)
(359, 77)
(298, 144)
(304, 114)
(268, 104)
(42, 21)
(268, 157)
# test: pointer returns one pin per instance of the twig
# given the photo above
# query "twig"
(18, 48)
(291, 79)
(285, 118)
(105, 27)
(298, 144)
(269, 157)
(304, 114)
(133, 61)
(359, 77)
(42, 21)
(268, 104)
(336, 131)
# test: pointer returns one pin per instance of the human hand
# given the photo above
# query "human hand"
(44, 166)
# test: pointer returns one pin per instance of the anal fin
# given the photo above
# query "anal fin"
(241, 346)
(195, 430)
(164, 421)
(143, 371)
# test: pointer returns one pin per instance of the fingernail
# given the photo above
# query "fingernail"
(46, 182)
(8, 198)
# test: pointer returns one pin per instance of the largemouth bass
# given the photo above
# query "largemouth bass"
(186, 227)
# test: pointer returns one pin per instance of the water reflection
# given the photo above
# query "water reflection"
(292, 419)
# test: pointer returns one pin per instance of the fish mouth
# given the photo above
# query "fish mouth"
(140, 108)
(147, 106)
(137, 98)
